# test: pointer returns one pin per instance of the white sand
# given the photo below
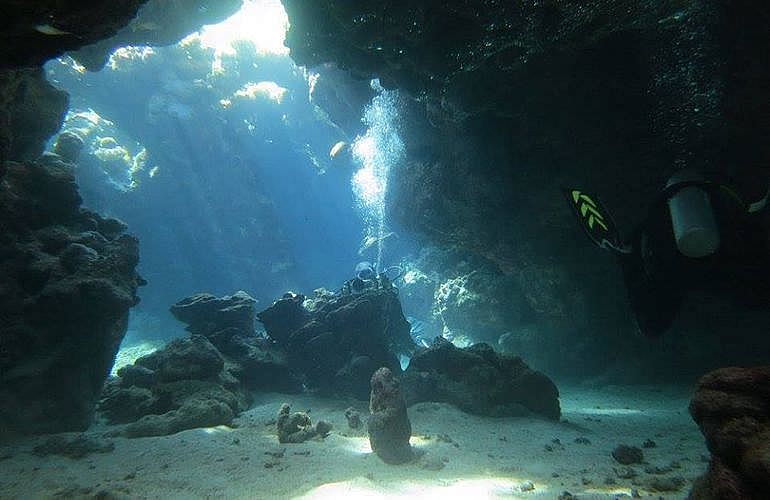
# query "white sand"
(493, 458)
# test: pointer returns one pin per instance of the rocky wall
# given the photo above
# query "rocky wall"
(68, 280)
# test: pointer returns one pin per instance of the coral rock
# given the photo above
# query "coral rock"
(732, 408)
(388, 424)
(478, 380)
(297, 428)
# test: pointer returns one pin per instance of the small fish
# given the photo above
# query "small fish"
(47, 29)
(370, 241)
(337, 149)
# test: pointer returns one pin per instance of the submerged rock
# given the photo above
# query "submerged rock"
(65, 295)
(388, 425)
(344, 338)
(193, 413)
(228, 323)
(193, 358)
(732, 408)
(206, 314)
(184, 385)
(297, 428)
(478, 380)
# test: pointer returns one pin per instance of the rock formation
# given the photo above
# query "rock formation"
(478, 380)
(184, 385)
(228, 323)
(200, 381)
(68, 280)
(344, 338)
(732, 409)
(297, 428)
(388, 424)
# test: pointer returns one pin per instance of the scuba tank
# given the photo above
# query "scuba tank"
(692, 216)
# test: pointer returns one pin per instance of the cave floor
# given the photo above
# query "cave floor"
(460, 455)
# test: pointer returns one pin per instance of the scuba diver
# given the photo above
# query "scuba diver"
(698, 233)
(367, 278)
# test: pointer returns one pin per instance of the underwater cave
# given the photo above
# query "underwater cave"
(314, 249)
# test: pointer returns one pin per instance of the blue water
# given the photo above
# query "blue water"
(236, 192)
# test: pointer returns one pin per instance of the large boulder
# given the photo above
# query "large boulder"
(67, 281)
(187, 384)
(193, 358)
(206, 314)
(228, 323)
(341, 339)
(388, 424)
(478, 380)
(732, 409)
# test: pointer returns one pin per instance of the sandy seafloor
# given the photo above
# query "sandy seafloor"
(461, 455)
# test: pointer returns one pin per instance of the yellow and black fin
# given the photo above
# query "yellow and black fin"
(595, 220)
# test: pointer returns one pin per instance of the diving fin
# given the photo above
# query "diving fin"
(595, 220)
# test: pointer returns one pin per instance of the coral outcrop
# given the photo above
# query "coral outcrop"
(184, 385)
(297, 428)
(344, 338)
(68, 280)
(478, 380)
(228, 323)
(732, 409)
(388, 424)
(199, 381)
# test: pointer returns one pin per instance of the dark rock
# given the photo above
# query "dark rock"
(352, 378)
(263, 366)
(228, 323)
(206, 314)
(388, 425)
(627, 455)
(193, 358)
(297, 428)
(479, 381)
(121, 405)
(283, 318)
(137, 375)
(649, 443)
(73, 446)
(732, 408)
(77, 256)
(193, 413)
(343, 340)
(64, 304)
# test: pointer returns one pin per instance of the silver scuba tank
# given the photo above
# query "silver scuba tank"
(692, 217)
